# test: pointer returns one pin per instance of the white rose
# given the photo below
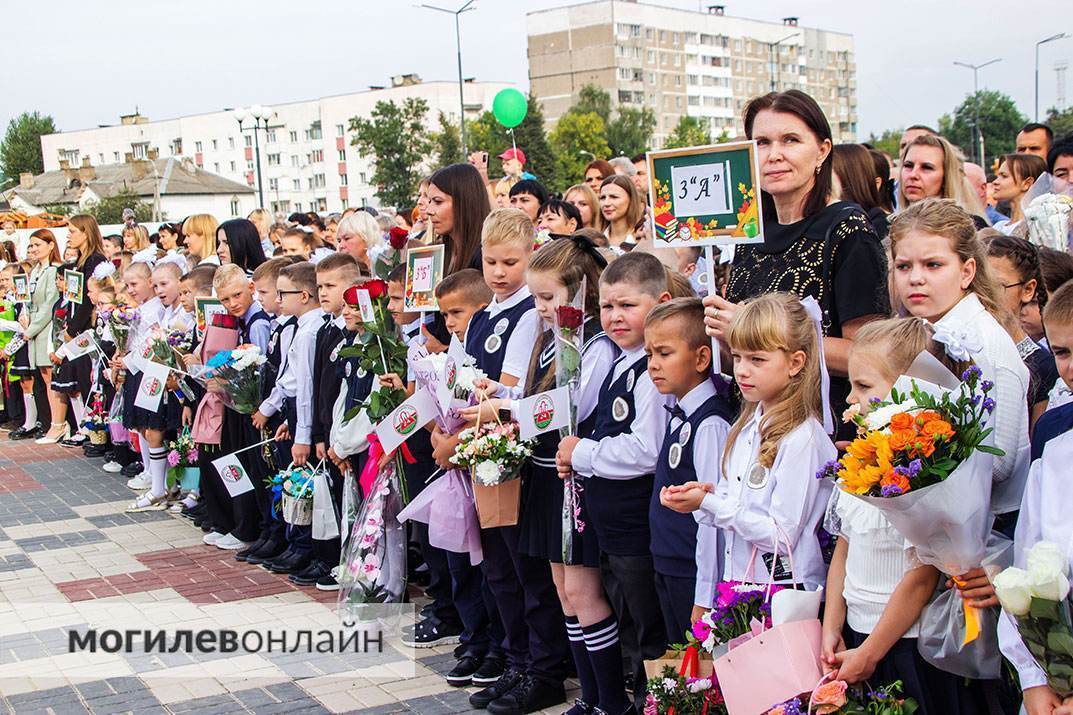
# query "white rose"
(1049, 585)
(1047, 557)
(1014, 590)
(880, 417)
(487, 473)
(669, 685)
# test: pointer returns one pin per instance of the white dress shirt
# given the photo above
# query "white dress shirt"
(519, 347)
(707, 442)
(634, 453)
(999, 362)
(788, 498)
(1044, 517)
(597, 358)
(296, 371)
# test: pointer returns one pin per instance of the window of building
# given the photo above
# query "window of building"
(694, 101)
(677, 59)
(216, 167)
(140, 150)
(624, 73)
(317, 156)
(232, 167)
(248, 139)
(249, 165)
(234, 207)
(340, 130)
(270, 136)
(273, 159)
(662, 36)
(342, 155)
(197, 147)
(294, 137)
(342, 180)
(318, 181)
(361, 178)
(294, 160)
(230, 142)
(298, 206)
(678, 80)
(215, 145)
(625, 96)
(674, 38)
(652, 56)
(648, 33)
(273, 184)
(345, 203)
(638, 75)
(115, 156)
(176, 147)
(297, 183)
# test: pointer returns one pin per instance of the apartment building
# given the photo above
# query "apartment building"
(703, 63)
(307, 162)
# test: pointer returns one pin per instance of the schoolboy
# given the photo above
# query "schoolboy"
(195, 284)
(235, 292)
(1058, 324)
(500, 338)
(679, 364)
(297, 241)
(296, 287)
(335, 274)
(618, 461)
(460, 296)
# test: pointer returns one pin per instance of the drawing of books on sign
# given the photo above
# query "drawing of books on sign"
(705, 196)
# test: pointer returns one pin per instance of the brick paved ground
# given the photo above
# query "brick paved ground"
(65, 544)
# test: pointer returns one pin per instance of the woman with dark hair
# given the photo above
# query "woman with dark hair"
(169, 235)
(855, 180)
(238, 241)
(596, 172)
(457, 206)
(9, 252)
(1016, 174)
(884, 183)
(814, 245)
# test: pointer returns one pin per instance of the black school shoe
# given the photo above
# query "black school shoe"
(530, 695)
(327, 583)
(251, 549)
(132, 470)
(431, 632)
(510, 679)
(269, 551)
(309, 576)
(462, 674)
(491, 670)
(23, 433)
(294, 563)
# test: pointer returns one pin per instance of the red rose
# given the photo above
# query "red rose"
(223, 320)
(350, 296)
(376, 287)
(61, 313)
(568, 317)
(398, 237)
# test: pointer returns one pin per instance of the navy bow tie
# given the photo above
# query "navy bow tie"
(676, 411)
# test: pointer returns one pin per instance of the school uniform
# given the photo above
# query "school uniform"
(500, 338)
(618, 462)
(686, 562)
(295, 404)
(79, 318)
(169, 413)
(754, 506)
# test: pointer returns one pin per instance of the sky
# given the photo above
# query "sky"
(168, 59)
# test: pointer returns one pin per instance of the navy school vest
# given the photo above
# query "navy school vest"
(487, 336)
(618, 508)
(674, 535)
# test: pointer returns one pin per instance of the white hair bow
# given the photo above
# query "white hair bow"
(103, 270)
(146, 256)
(816, 314)
(958, 343)
(175, 258)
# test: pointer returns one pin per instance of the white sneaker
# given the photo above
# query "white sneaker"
(212, 537)
(231, 543)
(139, 482)
(112, 467)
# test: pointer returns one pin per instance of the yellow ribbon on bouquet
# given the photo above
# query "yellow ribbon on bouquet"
(972, 621)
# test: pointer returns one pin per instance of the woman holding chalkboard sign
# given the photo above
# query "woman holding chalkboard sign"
(36, 319)
(813, 245)
(71, 378)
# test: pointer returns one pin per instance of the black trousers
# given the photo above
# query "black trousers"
(482, 626)
(439, 576)
(239, 515)
(631, 587)
(528, 603)
(676, 597)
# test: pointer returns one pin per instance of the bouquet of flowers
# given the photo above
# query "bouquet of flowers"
(837, 697)
(542, 237)
(1048, 209)
(96, 419)
(391, 256)
(182, 340)
(1037, 599)
(119, 319)
(466, 374)
(373, 567)
(240, 371)
(59, 325)
(738, 606)
(569, 340)
(493, 453)
(292, 494)
(158, 348)
(379, 349)
(182, 461)
(672, 693)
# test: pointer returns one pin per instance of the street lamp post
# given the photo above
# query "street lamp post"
(458, 46)
(775, 64)
(258, 113)
(977, 145)
(1052, 38)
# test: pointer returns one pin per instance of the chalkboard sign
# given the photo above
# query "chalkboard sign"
(706, 195)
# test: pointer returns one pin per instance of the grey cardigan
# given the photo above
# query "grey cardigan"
(42, 299)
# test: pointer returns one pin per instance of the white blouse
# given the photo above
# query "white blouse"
(877, 560)
(751, 504)
(999, 362)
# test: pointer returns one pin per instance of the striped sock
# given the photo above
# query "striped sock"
(585, 674)
(158, 469)
(605, 653)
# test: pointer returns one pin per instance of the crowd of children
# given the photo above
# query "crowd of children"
(687, 478)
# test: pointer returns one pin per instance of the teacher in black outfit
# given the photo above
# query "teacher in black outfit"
(813, 245)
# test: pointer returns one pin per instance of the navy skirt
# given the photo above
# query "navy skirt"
(540, 519)
(72, 377)
(167, 417)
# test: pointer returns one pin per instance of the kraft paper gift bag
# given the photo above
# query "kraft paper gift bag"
(498, 505)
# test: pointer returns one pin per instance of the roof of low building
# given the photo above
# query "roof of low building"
(176, 177)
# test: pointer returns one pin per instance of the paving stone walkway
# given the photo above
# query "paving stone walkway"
(67, 549)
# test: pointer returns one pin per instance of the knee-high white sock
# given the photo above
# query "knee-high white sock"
(79, 408)
(143, 447)
(31, 410)
(158, 469)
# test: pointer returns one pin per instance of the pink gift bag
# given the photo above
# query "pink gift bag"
(771, 668)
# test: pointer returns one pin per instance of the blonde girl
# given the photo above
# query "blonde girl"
(199, 234)
(135, 238)
(769, 499)
(875, 591)
(588, 205)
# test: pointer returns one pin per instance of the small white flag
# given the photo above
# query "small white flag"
(233, 474)
(543, 412)
(151, 389)
(406, 420)
(365, 306)
(79, 345)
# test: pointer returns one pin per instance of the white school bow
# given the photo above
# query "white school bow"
(816, 314)
(958, 343)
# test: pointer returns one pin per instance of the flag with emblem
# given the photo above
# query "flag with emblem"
(151, 389)
(406, 420)
(233, 474)
(79, 345)
(543, 412)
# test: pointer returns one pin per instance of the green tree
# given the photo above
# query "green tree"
(887, 142)
(593, 99)
(1000, 120)
(1061, 123)
(630, 132)
(110, 210)
(448, 143)
(394, 136)
(575, 140)
(21, 148)
(486, 134)
(532, 138)
(690, 131)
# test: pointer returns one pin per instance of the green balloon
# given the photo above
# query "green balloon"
(510, 107)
